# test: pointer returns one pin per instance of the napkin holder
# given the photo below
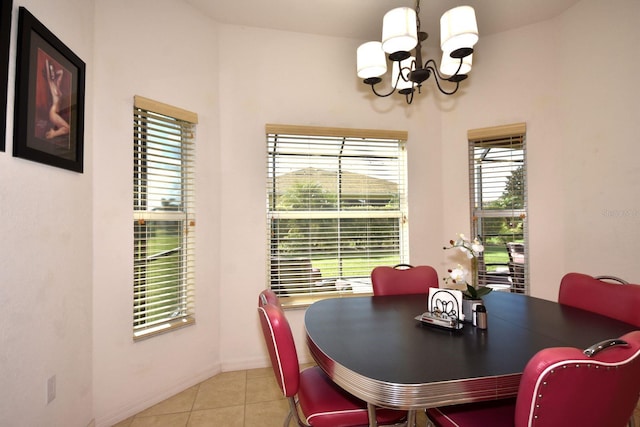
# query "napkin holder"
(444, 309)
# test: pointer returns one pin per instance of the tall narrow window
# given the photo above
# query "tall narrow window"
(336, 208)
(498, 189)
(163, 217)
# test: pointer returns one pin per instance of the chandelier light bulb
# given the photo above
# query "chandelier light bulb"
(399, 30)
(458, 29)
(371, 61)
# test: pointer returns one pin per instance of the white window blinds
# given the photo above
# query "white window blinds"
(336, 208)
(498, 190)
(163, 215)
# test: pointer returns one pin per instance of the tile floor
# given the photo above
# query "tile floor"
(230, 399)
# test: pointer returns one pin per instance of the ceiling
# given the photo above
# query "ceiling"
(362, 19)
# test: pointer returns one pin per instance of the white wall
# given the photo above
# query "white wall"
(278, 77)
(65, 299)
(600, 134)
(46, 260)
(164, 50)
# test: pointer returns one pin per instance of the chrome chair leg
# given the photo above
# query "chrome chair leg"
(293, 413)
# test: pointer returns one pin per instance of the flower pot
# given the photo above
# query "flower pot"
(467, 308)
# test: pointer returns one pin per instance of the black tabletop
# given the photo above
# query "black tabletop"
(373, 346)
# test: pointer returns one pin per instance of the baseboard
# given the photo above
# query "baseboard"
(260, 362)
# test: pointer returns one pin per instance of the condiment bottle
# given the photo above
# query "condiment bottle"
(481, 316)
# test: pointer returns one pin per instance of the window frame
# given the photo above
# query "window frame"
(274, 269)
(163, 166)
(506, 137)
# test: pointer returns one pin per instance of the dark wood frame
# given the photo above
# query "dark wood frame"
(49, 106)
(5, 38)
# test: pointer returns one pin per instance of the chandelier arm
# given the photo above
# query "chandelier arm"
(437, 77)
(382, 95)
(409, 97)
(434, 67)
(414, 64)
(394, 87)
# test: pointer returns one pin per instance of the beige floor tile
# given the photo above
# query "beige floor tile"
(169, 420)
(181, 402)
(225, 389)
(267, 414)
(260, 372)
(421, 418)
(219, 417)
(263, 389)
(124, 423)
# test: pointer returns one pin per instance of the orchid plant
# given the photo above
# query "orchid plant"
(458, 276)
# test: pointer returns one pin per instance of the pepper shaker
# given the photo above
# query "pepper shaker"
(481, 316)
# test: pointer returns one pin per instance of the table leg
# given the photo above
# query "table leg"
(411, 418)
(373, 421)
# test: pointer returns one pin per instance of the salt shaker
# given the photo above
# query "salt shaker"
(481, 316)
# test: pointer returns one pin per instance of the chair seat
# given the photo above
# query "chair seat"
(498, 413)
(324, 404)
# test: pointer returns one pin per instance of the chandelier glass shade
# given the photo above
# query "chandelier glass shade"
(458, 29)
(399, 30)
(402, 42)
(371, 60)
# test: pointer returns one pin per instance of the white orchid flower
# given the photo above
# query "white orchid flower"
(476, 247)
(458, 274)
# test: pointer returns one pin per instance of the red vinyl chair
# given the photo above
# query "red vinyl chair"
(560, 387)
(615, 300)
(268, 297)
(321, 401)
(403, 279)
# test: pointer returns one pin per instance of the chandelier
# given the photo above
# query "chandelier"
(401, 34)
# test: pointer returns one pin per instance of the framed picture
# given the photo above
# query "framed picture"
(5, 38)
(49, 108)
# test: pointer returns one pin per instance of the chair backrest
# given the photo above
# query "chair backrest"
(562, 386)
(618, 301)
(409, 280)
(515, 250)
(282, 348)
(268, 296)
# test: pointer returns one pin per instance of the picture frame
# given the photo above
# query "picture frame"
(5, 39)
(49, 100)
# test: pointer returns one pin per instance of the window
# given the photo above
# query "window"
(336, 208)
(498, 189)
(163, 217)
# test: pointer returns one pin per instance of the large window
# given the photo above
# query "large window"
(498, 189)
(163, 217)
(336, 208)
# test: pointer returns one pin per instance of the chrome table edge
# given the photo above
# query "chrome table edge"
(415, 396)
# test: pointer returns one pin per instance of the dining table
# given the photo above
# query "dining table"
(376, 349)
